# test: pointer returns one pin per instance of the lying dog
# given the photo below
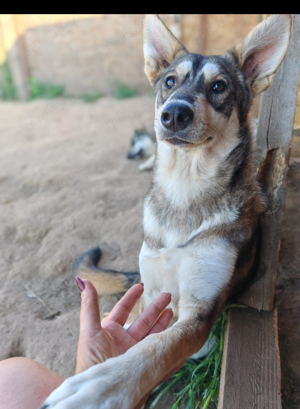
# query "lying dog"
(143, 146)
(201, 215)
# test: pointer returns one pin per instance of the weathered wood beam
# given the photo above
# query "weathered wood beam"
(274, 134)
(202, 33)
(13, 42)
(250, 375)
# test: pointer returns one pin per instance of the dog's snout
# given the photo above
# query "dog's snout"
(176, 117)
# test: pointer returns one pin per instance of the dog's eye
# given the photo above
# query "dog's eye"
(170, 82)
(219, 86)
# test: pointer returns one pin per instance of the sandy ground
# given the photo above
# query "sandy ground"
(66, 186)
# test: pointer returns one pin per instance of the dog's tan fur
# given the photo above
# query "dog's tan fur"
(202, 212)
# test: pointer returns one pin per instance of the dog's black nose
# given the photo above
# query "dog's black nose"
(176, 117)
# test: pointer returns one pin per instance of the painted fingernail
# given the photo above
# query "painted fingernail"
(170, 294)
(142, 284)
(80, 284)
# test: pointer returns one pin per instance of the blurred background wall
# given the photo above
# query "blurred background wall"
(88, 53)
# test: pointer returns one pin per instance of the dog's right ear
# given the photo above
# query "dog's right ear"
(161, 47)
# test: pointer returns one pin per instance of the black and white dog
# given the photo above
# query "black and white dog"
(143, 146)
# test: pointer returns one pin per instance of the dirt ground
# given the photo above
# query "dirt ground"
(66, 186)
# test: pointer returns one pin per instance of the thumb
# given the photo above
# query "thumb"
(89, 314)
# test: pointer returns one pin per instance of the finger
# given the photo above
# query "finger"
(144, 322)
(162, 322)
(123, 308)
(89, 314)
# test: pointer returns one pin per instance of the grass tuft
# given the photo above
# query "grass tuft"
(7, 87)
(123, 91)
(198, 381)
(44, 90)
(94, 96)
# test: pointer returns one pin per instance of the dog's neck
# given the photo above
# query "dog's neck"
(184, 175)
(198, 188)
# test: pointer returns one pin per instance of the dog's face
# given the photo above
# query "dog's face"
(196, 97)
(201, 99)
(142, 145)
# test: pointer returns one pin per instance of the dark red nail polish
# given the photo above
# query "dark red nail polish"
(80, 284)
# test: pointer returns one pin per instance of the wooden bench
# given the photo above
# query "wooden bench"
(251, 377)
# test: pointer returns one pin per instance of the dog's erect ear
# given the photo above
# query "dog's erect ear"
(161, 47)
(263, 50)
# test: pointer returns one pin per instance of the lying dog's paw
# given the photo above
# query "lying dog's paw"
(100, 387)
(148, 165)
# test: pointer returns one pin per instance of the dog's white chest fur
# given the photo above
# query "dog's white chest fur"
(174, 267)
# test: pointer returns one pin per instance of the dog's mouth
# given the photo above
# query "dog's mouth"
(184, 143)
(177, 141)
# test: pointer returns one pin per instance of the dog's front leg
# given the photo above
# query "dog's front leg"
(122, 382)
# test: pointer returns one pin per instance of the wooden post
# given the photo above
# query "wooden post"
(251, 375)
(202, 33)
(14, 47)
(274, 135)
(176, 26)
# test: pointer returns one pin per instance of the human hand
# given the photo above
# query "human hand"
(98, 343)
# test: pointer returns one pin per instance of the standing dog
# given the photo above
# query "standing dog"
(202, 212)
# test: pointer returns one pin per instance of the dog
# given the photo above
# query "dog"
(201, 215)
(143, 146)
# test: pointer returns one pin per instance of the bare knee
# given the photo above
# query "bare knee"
(25, 383)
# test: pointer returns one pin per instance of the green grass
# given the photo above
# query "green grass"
(124, 91)
(93, 96)
(45, 90)
(7, 87)
(199, 380)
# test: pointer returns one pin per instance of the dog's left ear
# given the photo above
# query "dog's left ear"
(161, 47)
(263, 50)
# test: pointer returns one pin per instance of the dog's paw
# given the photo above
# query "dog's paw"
(100, 387)
(148, 165)
(71, 394)
(143, 166)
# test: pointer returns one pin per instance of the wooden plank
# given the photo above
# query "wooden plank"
(275, 126)
(202, 33)
(13, 42)
(295, 151)
(250, 375)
